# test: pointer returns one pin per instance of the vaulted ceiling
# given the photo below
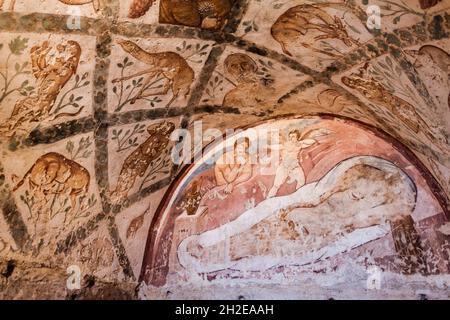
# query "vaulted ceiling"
(230, 64)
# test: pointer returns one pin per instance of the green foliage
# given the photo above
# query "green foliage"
(158, 167)
(82, 151)
(127, 139)
(18, 45)
(16, 48)
(72, 97)
(193, 53)
(126, 90)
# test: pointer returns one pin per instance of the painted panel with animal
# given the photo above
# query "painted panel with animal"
(150, 75)
(316, 34)
(44, 82)
(56, 190)
(414, 115)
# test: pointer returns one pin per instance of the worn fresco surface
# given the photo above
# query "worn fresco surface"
(92, 90)
(337, 192)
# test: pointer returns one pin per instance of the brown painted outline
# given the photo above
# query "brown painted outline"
(431, 182)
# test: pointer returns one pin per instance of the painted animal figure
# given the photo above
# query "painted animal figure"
(177, 73)
(439, 57)
(250, 90)
(375, 92)
(137, 163)
(207, 14)
(54, 175)
(51, 77)
(297, 21)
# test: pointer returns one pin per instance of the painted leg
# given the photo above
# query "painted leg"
(298, 175)
(280, 178)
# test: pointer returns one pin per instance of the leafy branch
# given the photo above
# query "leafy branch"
(390, 75)
(16, 48)
(186, 51)
(158, 166)
(214, 85)
(82, 151)
(398, 10)
(73, 101)
(123, 92)
(29, 201)
(128, 139)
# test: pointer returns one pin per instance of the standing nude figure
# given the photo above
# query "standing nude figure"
(290, 166)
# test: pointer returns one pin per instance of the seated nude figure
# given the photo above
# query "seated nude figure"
(234, 167)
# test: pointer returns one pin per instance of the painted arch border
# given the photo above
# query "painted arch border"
(158, 217)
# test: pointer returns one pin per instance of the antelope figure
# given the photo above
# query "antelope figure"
(297, 21)
(170, 65)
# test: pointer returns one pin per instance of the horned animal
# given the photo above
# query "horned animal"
(297, 21)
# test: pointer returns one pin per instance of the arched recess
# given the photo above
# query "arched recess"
(372, 187)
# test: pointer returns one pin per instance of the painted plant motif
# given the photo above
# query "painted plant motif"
(52, 70)
(426, 4)
(149, 154)
(403, 110)
(294, 24)
(168, 66)
(138, 8)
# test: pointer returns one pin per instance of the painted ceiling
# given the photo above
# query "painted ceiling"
(91, 91)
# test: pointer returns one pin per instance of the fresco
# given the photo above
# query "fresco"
(248, 82)
(44, 80)
(388, 90)
(154, 77)
(55, 192)
(90, 8)
(91, 114)
(147, 157)
(336, 188)
(318, 33)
